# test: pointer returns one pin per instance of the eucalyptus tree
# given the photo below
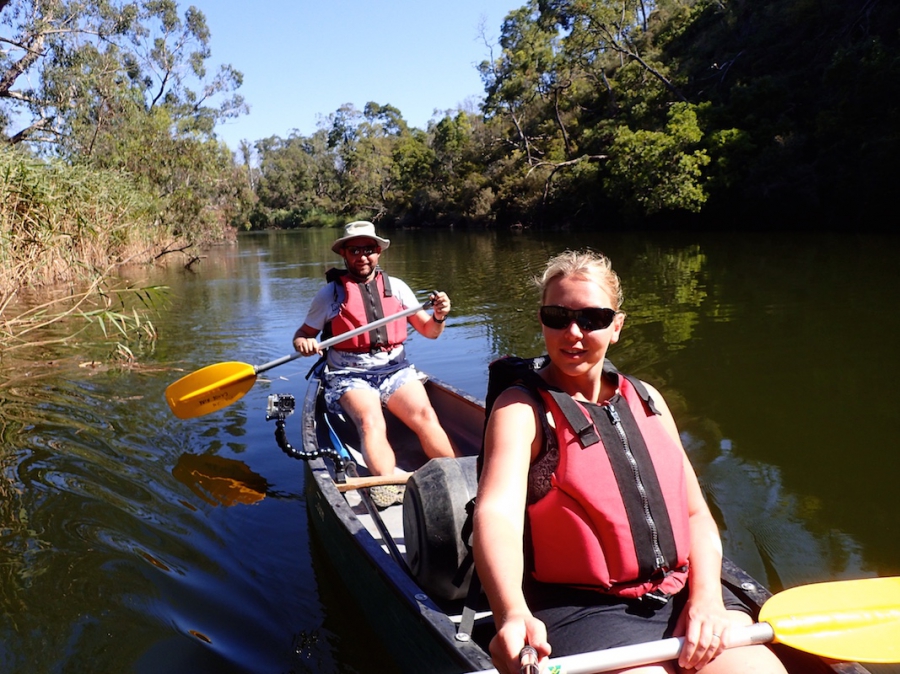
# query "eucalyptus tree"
(297, 179)
(520, 83)
(415, 184)
(342, 127)
(583, 85)
(364, 143)
(124, 84)
(610, 34)
(654, 171)
(460, 144)
(69, 69)
(380, 131)
(514, 80)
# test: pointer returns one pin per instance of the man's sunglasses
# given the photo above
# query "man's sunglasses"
(589, 319)
(362, 250)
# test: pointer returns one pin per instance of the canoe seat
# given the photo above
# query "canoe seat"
(434, 512)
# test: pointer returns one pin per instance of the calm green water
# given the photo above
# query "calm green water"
(124, 551)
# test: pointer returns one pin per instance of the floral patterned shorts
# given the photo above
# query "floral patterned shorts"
(385, 384)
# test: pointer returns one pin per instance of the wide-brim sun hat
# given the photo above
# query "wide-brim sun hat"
(357, 229)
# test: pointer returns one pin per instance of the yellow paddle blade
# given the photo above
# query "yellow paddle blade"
(855, 620)
(209, 389)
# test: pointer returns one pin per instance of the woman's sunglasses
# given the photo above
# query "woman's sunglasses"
(589, 319)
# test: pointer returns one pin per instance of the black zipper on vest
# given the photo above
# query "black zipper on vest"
(636, 472)
(371, 295)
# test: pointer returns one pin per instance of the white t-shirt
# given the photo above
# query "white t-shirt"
(326, 305)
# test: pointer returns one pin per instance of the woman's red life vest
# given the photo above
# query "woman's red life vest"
(615, 517)
(366, 302)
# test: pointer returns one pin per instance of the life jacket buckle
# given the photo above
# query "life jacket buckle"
(657, 598)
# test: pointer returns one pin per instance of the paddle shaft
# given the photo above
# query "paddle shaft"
(345, 336)
(215, 386)
(648, 653)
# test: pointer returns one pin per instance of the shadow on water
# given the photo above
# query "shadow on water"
(363, 651)
(134, 541)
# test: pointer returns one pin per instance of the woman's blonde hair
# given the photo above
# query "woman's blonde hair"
(587, 264)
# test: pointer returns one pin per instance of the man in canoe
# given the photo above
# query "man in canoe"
(372, 370)
(590, 528)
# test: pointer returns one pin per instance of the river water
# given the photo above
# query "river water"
(135, 541)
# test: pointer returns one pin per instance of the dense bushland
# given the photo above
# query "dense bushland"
(714, 113)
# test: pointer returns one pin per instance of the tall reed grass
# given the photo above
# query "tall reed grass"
(68, 227)
(61, 222)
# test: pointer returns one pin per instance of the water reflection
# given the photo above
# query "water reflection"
(134, 541)
(777, 534)
(220, 481)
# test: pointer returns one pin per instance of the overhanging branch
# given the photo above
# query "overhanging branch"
(557, 166)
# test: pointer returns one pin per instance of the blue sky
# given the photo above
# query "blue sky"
(302, 59)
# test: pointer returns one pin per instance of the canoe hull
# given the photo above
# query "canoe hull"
(420, 636)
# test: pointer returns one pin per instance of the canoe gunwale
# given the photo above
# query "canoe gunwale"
(344, 534)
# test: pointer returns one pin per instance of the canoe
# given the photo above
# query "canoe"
(399, 564)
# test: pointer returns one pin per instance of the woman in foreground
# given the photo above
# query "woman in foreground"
(590, 527)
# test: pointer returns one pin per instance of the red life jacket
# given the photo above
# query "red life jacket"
(615, 517)
(366, 302)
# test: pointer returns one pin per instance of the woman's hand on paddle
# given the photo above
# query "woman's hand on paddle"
(514, 634)
(705, 626)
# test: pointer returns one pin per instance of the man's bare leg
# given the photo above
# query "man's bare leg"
(363, 406)
(410, 404)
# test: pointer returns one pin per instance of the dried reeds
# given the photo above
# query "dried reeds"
(73, 225)
(61, 222)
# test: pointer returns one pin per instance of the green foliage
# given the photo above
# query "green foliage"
(413, 162)
(198, 189)
(660, 170)
(370, 164)
(731, 149)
